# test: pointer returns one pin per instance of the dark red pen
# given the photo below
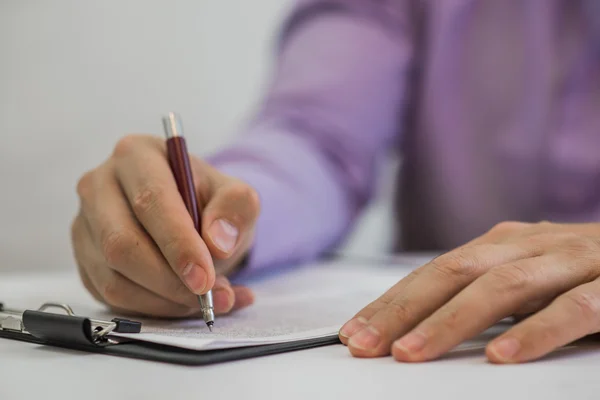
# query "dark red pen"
(180, 165)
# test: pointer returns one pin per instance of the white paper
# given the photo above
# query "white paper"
(304, 303)
(308, 303)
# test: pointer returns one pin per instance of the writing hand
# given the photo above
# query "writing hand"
(546, 271)
(135, 242)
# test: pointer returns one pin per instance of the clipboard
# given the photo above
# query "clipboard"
(68, 330)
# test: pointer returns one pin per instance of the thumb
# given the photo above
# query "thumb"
(229, 217)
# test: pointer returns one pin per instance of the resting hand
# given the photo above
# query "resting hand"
(548, 271)
(135, 242)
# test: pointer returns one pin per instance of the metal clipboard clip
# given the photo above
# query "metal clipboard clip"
(67, 328)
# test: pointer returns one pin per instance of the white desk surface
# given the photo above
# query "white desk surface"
(33, 371)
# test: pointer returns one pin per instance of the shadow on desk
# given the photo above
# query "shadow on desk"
(567, 351)
(469, 350)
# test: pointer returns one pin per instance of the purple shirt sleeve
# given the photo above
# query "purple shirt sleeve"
(331, 108)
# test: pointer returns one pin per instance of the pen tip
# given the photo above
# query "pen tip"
(210, 326)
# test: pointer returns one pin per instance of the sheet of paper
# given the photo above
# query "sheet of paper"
(301, 303)
(304, 303)
(307, 303)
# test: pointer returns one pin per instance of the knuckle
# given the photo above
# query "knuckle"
(543, 224)
(451, 320)
(237, 202)
(509, 226)
(538, 242)
(585, 304)
(377, 305)
(460, 265)
(401, 310)
(85, 185)
(564, 242)
(252, 198)
(126, 145)
(384, 299)
(116, 246)
(110, 290)
(146, 200)
(577, 243)
(511, 278)
(247, 195)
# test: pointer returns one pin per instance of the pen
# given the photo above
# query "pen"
(180, 165)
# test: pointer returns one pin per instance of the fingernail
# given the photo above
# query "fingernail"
(505, 349)
(194, 277)
(223, 234)
(353, 326)
(410, 343)
(366, 339)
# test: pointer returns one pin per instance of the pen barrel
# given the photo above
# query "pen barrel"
(182, 171)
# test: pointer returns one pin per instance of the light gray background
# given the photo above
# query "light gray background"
(77, 75)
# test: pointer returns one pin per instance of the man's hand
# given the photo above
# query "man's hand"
(135, 242)
(547, 270)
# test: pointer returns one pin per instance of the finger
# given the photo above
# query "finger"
(244, 297)
(531, 307)
(124, 245)
(120, 293)
(449, 273)
(361, 318)
(79, 233)
(500, 232)
(88, 284)
(229, 217)
(432, 285)
(227, 298)
(494, 296)
(571, 316)
(150, 187)
(223, 295)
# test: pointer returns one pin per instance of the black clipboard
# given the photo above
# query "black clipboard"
(71, 331)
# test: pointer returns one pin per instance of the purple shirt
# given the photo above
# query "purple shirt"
(494, 107)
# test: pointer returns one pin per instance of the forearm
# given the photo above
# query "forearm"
(311, 151)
